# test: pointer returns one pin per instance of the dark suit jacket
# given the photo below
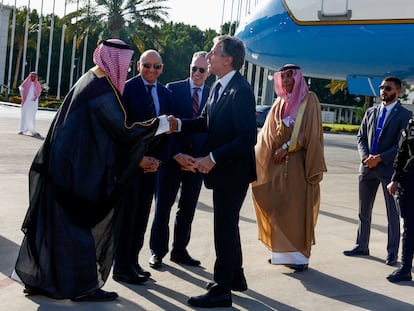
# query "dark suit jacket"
(135, 99)
(388, 140)
(231, 128)
(188, 143)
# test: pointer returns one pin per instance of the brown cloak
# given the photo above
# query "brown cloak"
(287, 196)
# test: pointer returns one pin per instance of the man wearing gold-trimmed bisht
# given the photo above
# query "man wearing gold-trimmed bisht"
(75, 183)
(290, 165)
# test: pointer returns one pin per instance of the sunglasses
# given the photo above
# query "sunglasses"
(149, 66)
(194, 69)
(385, 88)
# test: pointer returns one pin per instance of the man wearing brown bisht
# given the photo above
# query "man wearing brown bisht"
(290, 165)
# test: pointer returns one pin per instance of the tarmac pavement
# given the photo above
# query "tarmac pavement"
(332, 282)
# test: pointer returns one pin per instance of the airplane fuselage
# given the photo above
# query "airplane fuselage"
(333, 39)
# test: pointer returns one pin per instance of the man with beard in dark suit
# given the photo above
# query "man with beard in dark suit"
(377, 146)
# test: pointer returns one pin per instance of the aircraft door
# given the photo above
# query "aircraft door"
(334, 10)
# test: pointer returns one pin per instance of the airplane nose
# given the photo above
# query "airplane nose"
(267, 19)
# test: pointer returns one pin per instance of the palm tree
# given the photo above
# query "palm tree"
(336, 85)
(134, 20)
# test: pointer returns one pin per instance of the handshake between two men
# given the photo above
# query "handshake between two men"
(169, 125)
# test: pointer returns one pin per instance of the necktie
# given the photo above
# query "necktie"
(195, 101)
(216, 95)
(378, 130)
(151, 104)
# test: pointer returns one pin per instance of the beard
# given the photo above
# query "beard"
(389, 98)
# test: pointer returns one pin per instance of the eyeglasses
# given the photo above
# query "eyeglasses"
(385, 88)
(149, 66)
(194, 69)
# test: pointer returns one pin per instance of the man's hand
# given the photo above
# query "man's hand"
(173, 124)
(392, 187)
(187, 162)
(204, 164)
(372, 160)
(279, 155)
(149, 164)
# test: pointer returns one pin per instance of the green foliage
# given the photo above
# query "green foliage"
(322, 88)
(179, 43)
(51, 103)
(15, 99)
(340, 128)
(359, 113)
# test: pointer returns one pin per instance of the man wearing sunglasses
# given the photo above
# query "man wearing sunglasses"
(377, 146)
(189, 98)
(144, 98)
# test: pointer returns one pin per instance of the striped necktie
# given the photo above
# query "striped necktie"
(195, 102)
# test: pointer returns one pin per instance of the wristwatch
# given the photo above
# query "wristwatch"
(285, 146)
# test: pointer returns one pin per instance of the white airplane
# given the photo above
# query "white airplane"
(360, 41)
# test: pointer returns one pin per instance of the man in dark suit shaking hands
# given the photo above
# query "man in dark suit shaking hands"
(228, 165)
(377, 146)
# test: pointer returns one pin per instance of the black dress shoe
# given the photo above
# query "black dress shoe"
(391, 259)
(97, 295)
(357, 252)
(155, 262)
(214, 298)
(130, 278)
(184, 259)
(297, 268)
(399, 276)
(143, 272)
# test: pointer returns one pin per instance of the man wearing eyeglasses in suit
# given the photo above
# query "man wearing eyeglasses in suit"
(189, 98)
(377, 146)
(144, 98)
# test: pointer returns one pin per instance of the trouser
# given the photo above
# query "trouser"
(405, 202)
(368, 186)
(132, 218)
(228, 265)
(170, 178)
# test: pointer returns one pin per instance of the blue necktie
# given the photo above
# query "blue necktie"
(378, 130)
